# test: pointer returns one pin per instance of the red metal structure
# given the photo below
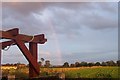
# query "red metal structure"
(20, 40)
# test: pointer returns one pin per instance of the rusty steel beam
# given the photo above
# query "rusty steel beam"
(28, 56)
(5, 44)
(33, 50)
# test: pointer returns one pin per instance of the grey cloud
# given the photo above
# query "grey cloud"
(65, 18)
(90, 56)
(28, 7)
(99, 22)
(23, 7)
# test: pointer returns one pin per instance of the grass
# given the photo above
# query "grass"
(80, 72)
(96, 72)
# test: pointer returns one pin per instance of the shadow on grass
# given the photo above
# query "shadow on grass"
(55, 78)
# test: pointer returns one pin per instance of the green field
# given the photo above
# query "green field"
(80, 72)
(100, 72)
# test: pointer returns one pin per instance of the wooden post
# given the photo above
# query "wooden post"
(0, 64)
(33, 50)
(28, 56)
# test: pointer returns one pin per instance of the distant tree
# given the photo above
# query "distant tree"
(42, 60)
(83, 64)
(12, 64)
(66, 64)
(72, 65)
(110, 63)
(97, 64)
(118, 62)
(40, 63)
(7, 64)
(77, 64)
(18, 63)
(103, 64)
(47, 63)
(15, 64)
(90, 64)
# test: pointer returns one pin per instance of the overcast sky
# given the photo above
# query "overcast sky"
(77, 31)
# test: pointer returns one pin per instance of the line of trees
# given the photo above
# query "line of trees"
(80, 64)
(46, 63)
(86, 64)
